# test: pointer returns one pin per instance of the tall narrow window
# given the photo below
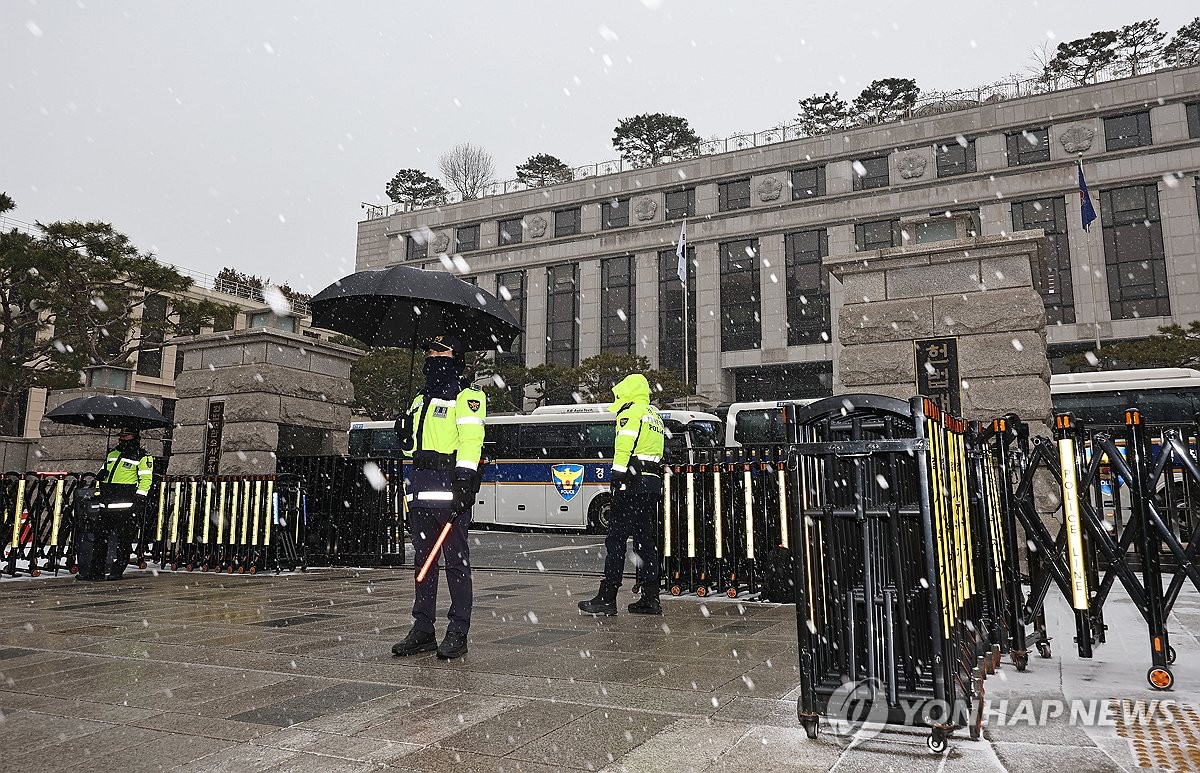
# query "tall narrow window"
(466, 239)
(566, 222)
(562, 315)
(1134, 253)
(614, 213)
(510, 288)
(741, 325)
(1127, 131)
(1031, 146)
(416, 247)
(878, 235)
(733, 195)
(681, 204)
(1193, 119)
(617, 298)
(670, 314)
(510, 231)
(1050, 215)
(955, 158)
(807, 287)
(871, 172)
(808, 183)
(150, 353)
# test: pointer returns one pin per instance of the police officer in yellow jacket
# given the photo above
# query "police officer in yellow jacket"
(124, 485)
(447, 441)
(636, 485)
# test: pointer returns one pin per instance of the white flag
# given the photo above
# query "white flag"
(681, 253)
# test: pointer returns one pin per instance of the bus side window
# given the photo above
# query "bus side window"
(599, 439)
(550, 441)
(501, 441)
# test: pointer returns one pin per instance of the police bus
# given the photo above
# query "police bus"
(549, 469)
(761, 421)
(1163, 395)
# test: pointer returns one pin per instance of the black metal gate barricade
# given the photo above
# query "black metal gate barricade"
(226, 523)
(355, 514)
(1126, 506)
(722, 514)
(37, 520)
(896, 529)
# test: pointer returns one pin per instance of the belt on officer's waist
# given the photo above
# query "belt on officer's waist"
(432, 460)
(645, 464)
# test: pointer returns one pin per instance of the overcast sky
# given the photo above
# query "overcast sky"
(246, 134)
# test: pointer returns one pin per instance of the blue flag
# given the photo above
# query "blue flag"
(1086, 209)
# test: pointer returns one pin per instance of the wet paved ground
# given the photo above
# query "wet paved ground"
(293, 673)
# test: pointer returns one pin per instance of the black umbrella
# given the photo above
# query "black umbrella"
(402, 306)
(109, 411)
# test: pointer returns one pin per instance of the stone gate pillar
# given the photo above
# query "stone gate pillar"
(958, 319)
(248, 396)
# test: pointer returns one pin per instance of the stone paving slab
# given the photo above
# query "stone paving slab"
(192, 672)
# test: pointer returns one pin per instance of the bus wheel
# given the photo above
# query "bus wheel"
(599, 514)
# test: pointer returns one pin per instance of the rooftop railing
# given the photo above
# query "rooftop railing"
(929, 103)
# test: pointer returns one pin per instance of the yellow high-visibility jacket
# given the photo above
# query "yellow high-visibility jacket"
(640, 431)
(447, 444)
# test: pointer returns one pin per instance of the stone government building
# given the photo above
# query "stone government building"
(589, 266)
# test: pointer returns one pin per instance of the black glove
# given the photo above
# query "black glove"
(615, 481)
(464, 493)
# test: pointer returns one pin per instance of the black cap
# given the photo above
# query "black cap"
(446, 343)
(128, 431)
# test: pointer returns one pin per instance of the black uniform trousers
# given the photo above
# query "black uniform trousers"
(634, 514)
(427, 524)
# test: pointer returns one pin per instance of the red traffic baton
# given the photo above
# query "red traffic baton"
(433, 554)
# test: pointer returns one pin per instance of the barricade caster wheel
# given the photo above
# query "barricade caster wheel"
(35, 573)
(1043, 648)
(732, 593)
(1020, 660)
(141, 564)
(254, 570)
(637, 590)
(937, 742)
(174, 567)
(676, 590)
(1170, 654)
(1160, 678)
(811, 727)
(702, 591)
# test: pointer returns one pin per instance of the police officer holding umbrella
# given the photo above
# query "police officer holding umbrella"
(446, 421)
(124, 486)
(636, 488)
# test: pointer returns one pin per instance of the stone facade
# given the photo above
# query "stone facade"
(977, 290)
(282, 394)
(1072, 118)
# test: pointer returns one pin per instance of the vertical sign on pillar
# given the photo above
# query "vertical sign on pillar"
(937, 372)
(212, 437)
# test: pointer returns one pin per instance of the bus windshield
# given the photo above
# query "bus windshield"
(1163, 395)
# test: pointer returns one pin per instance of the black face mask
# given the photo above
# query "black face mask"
(441, 377)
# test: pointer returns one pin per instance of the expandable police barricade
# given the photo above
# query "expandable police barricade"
(723, 514)
(898, 539)
(229, 523)
(1128, 504)
(37, 518)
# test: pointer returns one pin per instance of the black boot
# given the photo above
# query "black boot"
(648, 603)
(605, 602)
(415, 643)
